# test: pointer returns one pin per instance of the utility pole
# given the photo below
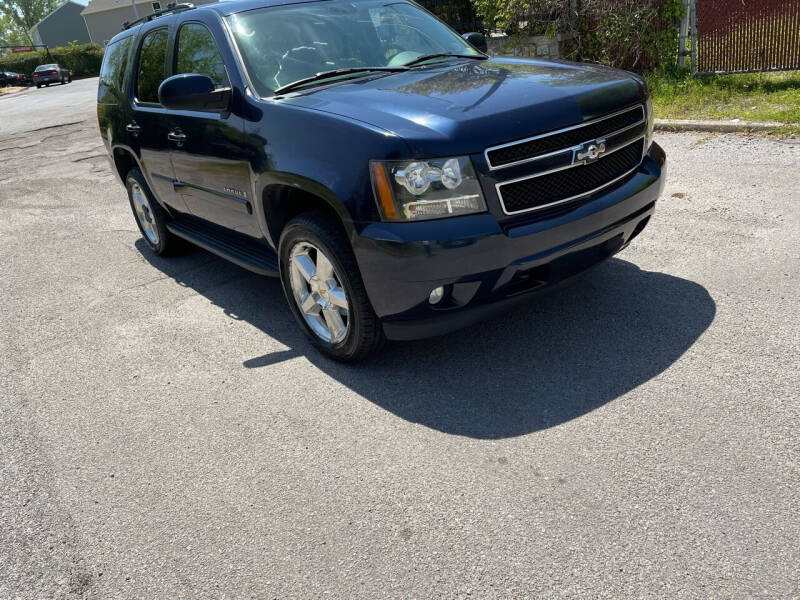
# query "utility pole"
(135, 12)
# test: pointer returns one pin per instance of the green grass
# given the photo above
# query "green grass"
(747, 96)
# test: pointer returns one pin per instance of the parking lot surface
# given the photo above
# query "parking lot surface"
(167, 432)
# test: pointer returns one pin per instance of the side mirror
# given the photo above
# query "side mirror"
(193, 91)
(477, 41)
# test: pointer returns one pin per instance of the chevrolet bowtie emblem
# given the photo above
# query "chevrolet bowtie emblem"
(590, 151)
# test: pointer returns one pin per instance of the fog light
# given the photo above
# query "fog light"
(436, 295)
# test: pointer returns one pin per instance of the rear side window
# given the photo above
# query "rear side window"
(198, 53)
(112, 72)
(152, 66)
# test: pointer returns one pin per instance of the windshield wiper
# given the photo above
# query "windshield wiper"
(425, 57)
(336, 73)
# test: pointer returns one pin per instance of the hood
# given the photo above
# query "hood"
(463, 108)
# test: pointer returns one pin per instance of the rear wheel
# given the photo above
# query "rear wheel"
(324, 288)
(38, 86)
(151, 218)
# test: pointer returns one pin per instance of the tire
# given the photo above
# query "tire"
(307, 235)
(150, 216)
(38, 87)
(69, 78)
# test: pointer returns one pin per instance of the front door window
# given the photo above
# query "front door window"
(152, 66)
(198, 53)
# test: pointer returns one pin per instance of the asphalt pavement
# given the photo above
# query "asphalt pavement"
(34, 109)
(167, 432)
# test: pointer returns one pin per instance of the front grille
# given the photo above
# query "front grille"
(565, 185)
(529, 149)
(628, 135)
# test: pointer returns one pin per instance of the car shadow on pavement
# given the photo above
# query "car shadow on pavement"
(551, 360)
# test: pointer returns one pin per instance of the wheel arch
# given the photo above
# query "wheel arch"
(124, 160)
(284, 198)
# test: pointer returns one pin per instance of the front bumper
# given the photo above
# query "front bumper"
(486, 266)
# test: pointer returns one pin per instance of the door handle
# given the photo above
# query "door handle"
(177, 137)
(133, 128)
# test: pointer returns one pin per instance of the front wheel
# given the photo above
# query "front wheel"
(324, 288)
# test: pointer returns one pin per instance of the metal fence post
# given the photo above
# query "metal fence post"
(694, 36)
(683, 34)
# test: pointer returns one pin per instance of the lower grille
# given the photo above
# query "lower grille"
(569, 184)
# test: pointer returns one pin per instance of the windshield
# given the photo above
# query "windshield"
(283, 44)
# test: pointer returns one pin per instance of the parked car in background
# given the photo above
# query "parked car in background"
(400, 182)
(51, 73)
(8, 78)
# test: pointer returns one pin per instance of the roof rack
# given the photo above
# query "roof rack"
(171, 8)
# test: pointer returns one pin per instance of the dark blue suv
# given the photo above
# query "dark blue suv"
(400, 182)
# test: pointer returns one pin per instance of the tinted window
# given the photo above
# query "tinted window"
(112, 72)
(152, 63)
(198, 53)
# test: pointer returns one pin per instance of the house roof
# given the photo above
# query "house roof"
(56, 9)
(96, 6)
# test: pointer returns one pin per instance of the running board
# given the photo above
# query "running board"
(230, 246)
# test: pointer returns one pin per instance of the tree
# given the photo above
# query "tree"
(18, 16)
(10, 34)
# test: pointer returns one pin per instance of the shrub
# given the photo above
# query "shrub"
(529, 17)
(638, 35)
(459, 14)
(83, 60)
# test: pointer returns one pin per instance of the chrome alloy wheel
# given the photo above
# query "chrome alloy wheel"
(318, 292)
(144, 214)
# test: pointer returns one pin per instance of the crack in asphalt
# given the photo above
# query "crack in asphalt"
(36, 143)
(55, 126)
(89, 157)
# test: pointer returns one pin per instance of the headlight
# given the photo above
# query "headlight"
(650, 122)
(415, 190)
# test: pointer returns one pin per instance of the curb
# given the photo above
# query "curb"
(716, 126)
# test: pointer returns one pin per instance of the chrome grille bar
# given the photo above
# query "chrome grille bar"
(491, 149)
